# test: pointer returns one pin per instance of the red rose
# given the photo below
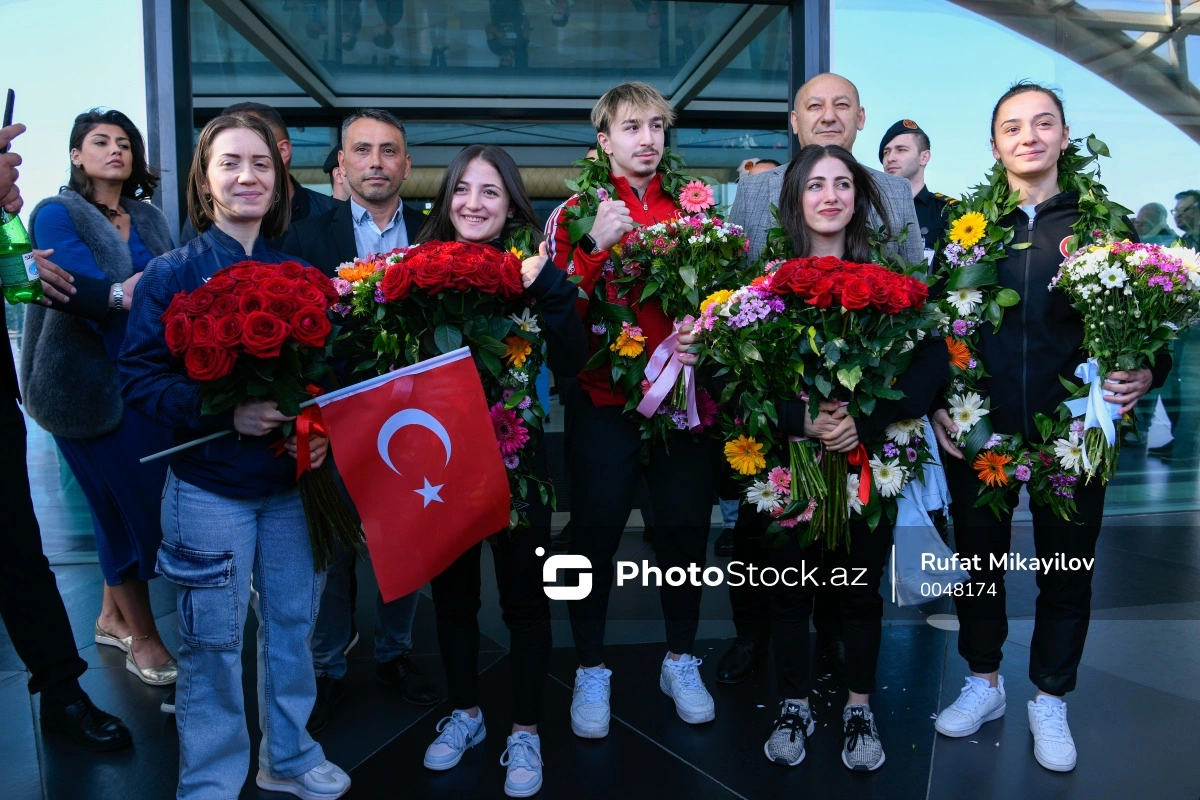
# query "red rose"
(224, 305)
(178, 334)
(321, 282)
(397, 282)
(263, 334)
(199, 301)
(879, 292)
(207, 362)
(898, 299)
(310, 327)
(511, 285)
(221, 283)
(245, 271)
(821, 294)
(308, 295)
(277, 287)
(855, 294)
(828, 263)
(291, 269)
(918, 293)
(252, 301)
(204, 330)
(229, 330)
(178, 305)
(433, 274)
(282, 307)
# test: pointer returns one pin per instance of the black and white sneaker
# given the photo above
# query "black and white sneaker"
(786, 743)
(861, 750)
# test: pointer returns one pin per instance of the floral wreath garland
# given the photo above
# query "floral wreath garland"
(973, 297)
(611, 317)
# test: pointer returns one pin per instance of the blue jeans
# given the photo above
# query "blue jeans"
(212, 545)
(331, 637)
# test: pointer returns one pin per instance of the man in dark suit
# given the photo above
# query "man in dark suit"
(30, 605)
(375, 160)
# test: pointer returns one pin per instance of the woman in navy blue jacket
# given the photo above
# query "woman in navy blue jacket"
(231, 509)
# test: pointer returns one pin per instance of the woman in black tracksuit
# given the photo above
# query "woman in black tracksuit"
(483, 200)
(824, 205)
(1040, 341)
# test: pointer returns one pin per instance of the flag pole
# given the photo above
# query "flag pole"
(413, 369)
(181, 447)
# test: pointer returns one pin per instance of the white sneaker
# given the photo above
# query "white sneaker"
(589, 703)
(323, 782)
(1053, 746)
(978, 703)
(523, 757)
(457, 734)
(680, 680)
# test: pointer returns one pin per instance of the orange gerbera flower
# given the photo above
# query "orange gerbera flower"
(356, 270)
(960, 355)
(990, 466)
(518, 349)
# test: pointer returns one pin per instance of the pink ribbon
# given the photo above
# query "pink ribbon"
(662, 371)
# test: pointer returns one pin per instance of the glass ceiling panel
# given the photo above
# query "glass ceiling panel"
(489, 48)
(759, 71)
(224, 63)
(1144, 6)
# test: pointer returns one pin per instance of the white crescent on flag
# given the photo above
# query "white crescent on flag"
(401, 419)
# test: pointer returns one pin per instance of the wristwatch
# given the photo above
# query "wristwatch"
(118, 296)
(589, 244)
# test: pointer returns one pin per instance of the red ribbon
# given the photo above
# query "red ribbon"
(858, 458)
(308, 423)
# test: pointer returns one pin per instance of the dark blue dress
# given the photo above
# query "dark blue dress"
(123, 495)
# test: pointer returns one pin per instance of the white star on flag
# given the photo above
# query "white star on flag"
(430, 493)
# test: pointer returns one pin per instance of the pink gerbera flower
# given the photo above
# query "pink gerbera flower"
(781, 477)
(696, 197)
(706, 408)
(511, 433)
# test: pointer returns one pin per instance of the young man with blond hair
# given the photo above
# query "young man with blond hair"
(604, 460)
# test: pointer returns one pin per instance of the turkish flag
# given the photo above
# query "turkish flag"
(418, 453)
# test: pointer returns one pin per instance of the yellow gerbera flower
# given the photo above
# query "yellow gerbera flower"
(716, 298)
(518, 252)
(968, 229)
(519, 349)
(630, 342)
(745, 455)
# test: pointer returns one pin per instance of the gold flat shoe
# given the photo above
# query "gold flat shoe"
(164, 675)
(104, 637)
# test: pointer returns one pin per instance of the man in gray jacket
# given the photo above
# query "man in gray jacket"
(826, 111)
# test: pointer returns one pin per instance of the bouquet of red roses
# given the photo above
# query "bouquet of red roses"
(435, 297)
(822, 329)
(259, 331)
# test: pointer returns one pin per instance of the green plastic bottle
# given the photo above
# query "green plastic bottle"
(18, 272)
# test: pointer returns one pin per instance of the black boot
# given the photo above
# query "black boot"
(741, 659)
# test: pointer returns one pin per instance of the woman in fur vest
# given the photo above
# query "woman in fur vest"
(99, 227)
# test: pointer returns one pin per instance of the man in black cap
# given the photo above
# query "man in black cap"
(904, 152)
(337, 176)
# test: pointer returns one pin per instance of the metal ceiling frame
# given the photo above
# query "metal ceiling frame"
(321, 98)
(1098, 40)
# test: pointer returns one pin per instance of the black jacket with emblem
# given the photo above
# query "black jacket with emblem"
(1041, 337)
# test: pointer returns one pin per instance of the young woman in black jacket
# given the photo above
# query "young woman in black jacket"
(1040, 341)
(483, 200)
(824, 207)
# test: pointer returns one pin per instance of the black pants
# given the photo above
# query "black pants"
(859, 606)
(30, 605)
(1064, 596)
(525, 609)
(752, 604)
(603, 467)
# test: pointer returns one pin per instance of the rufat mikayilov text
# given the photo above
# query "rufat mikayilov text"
(1012, 562)
(739, 573)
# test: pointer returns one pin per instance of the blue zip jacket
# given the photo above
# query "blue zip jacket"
(155, 383)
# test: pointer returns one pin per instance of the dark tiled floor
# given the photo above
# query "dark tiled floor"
(1133, 715)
